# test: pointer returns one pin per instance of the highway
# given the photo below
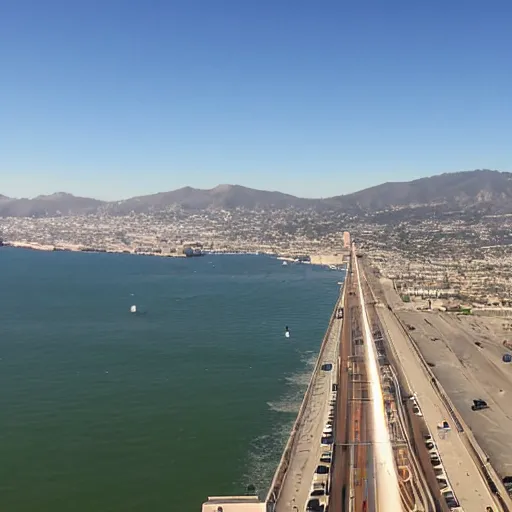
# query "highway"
(340, 467)
(352, 470)
(372, 469)
(388, 494)
(386, 411)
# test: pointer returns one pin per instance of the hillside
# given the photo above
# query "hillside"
(481, 189)
(52, 205)
(456, 190)
(223, 196)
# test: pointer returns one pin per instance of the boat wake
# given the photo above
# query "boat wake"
(264, 455)
(296, 387)
(266, 450)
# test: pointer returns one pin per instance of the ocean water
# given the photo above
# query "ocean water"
(193, 396)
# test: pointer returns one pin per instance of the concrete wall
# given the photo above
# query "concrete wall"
(234, 504)
(502, 312)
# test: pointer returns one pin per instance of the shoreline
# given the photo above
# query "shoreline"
(322, 259)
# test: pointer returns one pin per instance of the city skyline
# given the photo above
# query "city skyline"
(112, 101)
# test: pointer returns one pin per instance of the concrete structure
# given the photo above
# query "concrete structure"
(346, 239)
(329, 259)
(234, 504)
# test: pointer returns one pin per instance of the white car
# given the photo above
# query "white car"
(327, 430)
(321, 479)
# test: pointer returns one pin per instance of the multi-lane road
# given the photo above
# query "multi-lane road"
(352, 482)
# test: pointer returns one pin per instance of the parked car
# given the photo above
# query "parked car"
(326, 457)
(327, 440)
(314, 505)
(322, 469)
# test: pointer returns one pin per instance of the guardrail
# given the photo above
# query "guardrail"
(276, 485)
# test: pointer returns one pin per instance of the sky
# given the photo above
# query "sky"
(116, 98)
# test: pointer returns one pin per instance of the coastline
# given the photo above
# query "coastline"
(319, 259)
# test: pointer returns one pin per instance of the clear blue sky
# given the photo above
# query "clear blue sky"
(114, 98)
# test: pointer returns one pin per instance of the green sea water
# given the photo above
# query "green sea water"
(193, 396)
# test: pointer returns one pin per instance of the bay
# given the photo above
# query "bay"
(192, 396)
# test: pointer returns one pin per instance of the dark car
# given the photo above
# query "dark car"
(322, 470)
(479, 404)
(327, 440)
(314, 506)
(327, 367)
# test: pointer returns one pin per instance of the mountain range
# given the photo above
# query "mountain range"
(485, 189)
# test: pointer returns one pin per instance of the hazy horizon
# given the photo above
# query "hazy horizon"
(211, 188)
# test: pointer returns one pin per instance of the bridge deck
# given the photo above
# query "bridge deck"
(306, 452)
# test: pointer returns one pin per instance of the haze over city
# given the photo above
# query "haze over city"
(115, 99)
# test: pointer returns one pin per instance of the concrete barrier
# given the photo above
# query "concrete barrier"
(501, 312)
(275, 487)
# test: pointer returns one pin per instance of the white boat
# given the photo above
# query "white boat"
(133, 309)
(333, 267)
(285, 263)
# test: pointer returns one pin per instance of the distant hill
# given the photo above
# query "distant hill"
(52, 205)
(223, 196)
(456, 190)
(490, 190)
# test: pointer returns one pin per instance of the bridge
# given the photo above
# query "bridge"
(375, 432)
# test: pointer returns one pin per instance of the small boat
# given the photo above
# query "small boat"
(286, 332)
(333, 267)
(285, 263)
(133, 309)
